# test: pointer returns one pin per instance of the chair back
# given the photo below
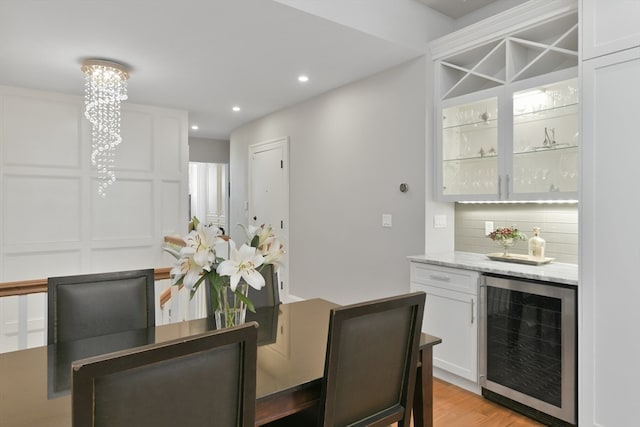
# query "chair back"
(269, 296)
(371, 362)
(202, 380)
(89, 305)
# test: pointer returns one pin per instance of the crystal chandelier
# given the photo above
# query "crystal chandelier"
(105, 87)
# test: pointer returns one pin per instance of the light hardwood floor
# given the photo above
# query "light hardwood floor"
(455, 407)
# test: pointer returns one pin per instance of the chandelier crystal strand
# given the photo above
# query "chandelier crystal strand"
(105, 88)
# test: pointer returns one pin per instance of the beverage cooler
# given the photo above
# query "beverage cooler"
(528, 345)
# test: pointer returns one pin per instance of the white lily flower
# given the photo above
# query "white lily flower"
(242, 264)
(203, 241)
(249, 231)
(264, 233)
(186, 267)
(273, 252)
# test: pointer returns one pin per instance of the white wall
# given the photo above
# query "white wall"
(207, 150)
(350, 149)
(436, 239)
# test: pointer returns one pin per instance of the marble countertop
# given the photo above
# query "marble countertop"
(556, 272)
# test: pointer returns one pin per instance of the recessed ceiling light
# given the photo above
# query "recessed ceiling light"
(303, 78)
(195, 127)
(236, 108)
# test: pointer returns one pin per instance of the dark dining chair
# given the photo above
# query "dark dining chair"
(269, 296)
(371, 362)
(370, 366)
(89, 305)
(201, 380)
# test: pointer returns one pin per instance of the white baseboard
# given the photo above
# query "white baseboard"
(456, 380)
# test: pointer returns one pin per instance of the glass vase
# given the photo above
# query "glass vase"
(506, 245)
(231, 310)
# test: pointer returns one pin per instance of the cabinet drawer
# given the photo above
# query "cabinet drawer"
(444, 277)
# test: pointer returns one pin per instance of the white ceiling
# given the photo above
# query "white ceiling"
(205, 56)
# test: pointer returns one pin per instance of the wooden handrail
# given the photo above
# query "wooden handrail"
(165, 295)
(34, 286)
(40, 285)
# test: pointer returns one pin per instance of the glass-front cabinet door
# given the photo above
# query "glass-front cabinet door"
(513, 143)
(545, 140)
(507, 98)
(470, 148)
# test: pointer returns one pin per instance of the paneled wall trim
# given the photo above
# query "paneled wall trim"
(53, 222)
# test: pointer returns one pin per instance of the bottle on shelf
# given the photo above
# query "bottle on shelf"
(536, 245)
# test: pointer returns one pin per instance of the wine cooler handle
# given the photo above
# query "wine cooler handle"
(506, 187)
(499, 187)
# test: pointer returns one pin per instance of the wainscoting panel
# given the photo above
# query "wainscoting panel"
(123, 258)
(31, 200)
(52, 221)
(134, 216)
(135, 153)
(40, 264)
(170, 158)
(42, 131)
(170, 206)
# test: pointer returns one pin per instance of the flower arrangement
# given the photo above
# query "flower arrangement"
(199, 260)
(506, 236)
(502, 234)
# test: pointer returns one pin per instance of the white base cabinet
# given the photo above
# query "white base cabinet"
(451, 313)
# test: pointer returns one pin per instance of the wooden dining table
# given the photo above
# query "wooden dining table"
(35, 382)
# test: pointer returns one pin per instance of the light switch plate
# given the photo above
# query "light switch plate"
(439, 221)
(387, 220)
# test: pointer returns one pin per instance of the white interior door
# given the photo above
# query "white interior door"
(269, 194)
(208, 191)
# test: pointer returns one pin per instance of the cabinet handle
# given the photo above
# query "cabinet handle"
(440, 278)
(499, 187)
(472, 318)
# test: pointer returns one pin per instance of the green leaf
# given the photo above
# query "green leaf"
(196, 286)
(255, 241)
(245, 300)
(216, 283)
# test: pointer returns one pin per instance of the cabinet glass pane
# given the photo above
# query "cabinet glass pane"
(545, 138)
(470, 148)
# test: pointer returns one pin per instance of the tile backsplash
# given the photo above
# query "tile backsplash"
(558, 224)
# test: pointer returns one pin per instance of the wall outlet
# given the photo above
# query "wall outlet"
(387, 220)
(488, 227)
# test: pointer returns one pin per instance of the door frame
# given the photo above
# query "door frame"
(281, 142)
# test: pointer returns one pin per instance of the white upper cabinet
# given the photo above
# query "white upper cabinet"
(609, 26)
(508, 106)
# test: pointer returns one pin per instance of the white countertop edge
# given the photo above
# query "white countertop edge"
(556, 272)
